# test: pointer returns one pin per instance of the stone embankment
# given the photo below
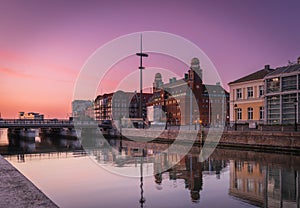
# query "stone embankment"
(265, 140)
(273, 141)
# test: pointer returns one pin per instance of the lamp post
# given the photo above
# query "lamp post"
(235, 117)
(142, 199)
(141, 55)
(295, 105)
(165, 108)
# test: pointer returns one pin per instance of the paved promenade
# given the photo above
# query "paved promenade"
(16, 191)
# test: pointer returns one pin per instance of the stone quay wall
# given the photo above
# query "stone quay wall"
(267, 140)
(274, 141)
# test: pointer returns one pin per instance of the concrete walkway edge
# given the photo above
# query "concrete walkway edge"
(17, 191)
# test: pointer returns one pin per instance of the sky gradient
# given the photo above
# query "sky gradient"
(44, 44)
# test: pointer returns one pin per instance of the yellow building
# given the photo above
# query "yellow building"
(247, 97)
(247, 182)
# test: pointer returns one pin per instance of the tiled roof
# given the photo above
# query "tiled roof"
(285, 69)
(254, 76)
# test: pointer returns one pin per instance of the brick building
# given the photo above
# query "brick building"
(188, 100)
(113, 106)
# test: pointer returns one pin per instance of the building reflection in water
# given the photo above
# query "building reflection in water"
(261, 179)
(183, 167)
(191, 170)
(247, 181)
(264, 185)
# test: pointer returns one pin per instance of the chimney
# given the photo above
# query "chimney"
(267, 66)
(170, 80)
(186, 76)
(298, 60)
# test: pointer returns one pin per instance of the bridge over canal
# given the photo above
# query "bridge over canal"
(46, 123)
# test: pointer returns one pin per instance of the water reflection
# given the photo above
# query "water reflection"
(265, 184)
(255, 178)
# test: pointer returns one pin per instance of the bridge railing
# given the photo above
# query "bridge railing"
(35, 121)
(44, 122)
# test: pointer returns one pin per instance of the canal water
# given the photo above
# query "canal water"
(73, 176)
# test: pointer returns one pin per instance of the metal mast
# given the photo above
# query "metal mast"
(141, 55)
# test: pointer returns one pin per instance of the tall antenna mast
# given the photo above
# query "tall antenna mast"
(141, 55)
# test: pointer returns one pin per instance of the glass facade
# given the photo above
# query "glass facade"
(281, 107)
(289, 83)
(273, 85)
(288, 108)
(273, 106)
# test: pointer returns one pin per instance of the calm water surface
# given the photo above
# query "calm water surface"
(72, 177)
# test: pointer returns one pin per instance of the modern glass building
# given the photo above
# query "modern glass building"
(283, 95)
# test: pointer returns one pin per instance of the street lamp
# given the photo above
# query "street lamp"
(235, 117)
(141, 55)
(142, 199)
(165, 108)
(295, 105)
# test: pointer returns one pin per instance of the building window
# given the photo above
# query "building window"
(239, 184)
(261, 91)
(250, 185)
(273, 85)
(238, 93)
(289, 83)
(239, 114)
(250, 168)
(239, 166)
(273, 109)
(288, 108)
(250, 92)
(250, 113)
(261, 112)
(260, 187)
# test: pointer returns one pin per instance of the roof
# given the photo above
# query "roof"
(254, 76)
(285, 69)
(215, 88)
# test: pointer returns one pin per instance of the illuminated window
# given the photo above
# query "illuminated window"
(273, 85)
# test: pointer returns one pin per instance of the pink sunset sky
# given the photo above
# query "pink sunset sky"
(44, 44)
